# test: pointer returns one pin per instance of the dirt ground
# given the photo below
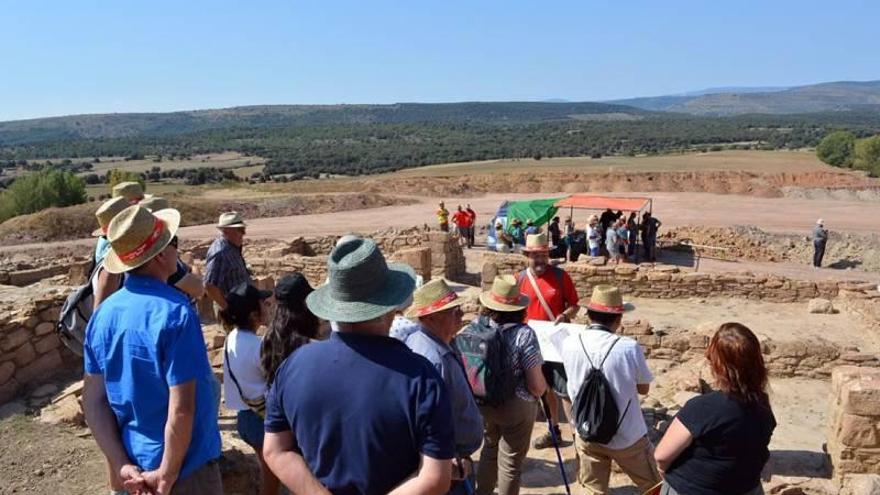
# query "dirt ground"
(42, 459)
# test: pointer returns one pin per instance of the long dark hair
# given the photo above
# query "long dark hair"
(738, 365)
(292, 326)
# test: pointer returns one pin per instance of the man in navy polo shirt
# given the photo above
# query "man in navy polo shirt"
(360, 413)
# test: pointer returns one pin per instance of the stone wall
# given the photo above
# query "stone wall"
(430, 253)
(30, 351)
(854, 435)
(814, 359)
(670, 282)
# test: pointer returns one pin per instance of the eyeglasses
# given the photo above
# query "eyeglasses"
(174, 242)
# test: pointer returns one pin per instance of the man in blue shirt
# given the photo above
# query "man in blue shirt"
(438, 309)
(359, 414)
(148, 393)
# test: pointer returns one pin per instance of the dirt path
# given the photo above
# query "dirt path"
(674, 209)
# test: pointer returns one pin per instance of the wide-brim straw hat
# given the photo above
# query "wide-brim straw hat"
(154, 203)
(136, 236)
(131, 191)
(608, 299)
(361, 285)
(592, 220)
(536, 243)
(504, 295)
(231, 220)
(433, 297)
(106, 212)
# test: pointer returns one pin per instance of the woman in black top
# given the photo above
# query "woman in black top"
(717, 444)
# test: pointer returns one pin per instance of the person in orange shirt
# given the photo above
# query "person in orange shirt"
(552, 297)
(463, 221)
(473, 222)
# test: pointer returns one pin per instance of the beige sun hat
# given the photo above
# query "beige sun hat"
(106, 212)
(136, 236)
(433, 297)
(230, 219)
(608, 299)
(131, 191)
(154, 203)
(536, 243)
(504, 295)
(593, 220)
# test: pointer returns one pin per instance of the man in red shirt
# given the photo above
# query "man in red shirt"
(462, 221)
(558, 302)
(473, 221)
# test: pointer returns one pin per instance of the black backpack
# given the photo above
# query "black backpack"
(594, 409)
(486, 363)
(75, 314)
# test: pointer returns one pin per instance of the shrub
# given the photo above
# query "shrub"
(40, 190)
(836, 149)
(867, 155)
(115, 176)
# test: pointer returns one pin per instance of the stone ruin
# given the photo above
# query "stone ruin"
(31, 354)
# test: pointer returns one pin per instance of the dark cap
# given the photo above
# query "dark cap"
(292, 287)
(246, 295)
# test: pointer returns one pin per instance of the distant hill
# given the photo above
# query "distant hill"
(825, 97)
(127, 125)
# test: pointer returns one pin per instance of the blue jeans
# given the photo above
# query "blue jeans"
(250, 428)
(594, 251)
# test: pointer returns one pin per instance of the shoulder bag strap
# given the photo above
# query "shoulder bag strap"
(586, 353)
(539, 295)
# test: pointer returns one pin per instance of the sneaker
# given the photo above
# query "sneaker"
(545, 441)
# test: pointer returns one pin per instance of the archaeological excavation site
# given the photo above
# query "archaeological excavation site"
(820, 338)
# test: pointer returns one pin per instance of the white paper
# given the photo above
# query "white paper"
(551, 336)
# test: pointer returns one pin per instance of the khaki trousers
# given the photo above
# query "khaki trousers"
(637, 461)
(506, 436)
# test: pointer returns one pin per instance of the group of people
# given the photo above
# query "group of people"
(465, 220)
(718, 441)
(364, 412)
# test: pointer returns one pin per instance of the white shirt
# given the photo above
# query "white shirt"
(593, 236)
(243, 348)
(624, 368)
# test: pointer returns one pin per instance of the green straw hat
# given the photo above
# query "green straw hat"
(361, 286)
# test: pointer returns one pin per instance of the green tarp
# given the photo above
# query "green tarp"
(539, 211)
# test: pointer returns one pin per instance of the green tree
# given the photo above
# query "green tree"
(34, 192)
(867, 155)
(115, 176)
(837, 149)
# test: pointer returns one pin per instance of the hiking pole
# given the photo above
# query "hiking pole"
(555, 442)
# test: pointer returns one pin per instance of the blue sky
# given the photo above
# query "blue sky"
(85, 56)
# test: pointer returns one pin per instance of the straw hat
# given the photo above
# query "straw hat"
(504, 295)
(607, 299)
(154, 203)
(107, 211)
(820, 222)
(536, 243)
(231, 219)
(361, 285)
(433, 297)
(593, 220)
(137, 236)
(131, 191)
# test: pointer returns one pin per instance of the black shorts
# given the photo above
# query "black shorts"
(556, 378)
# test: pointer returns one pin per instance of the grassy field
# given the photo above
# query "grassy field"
(740, 160)
(231, 159)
